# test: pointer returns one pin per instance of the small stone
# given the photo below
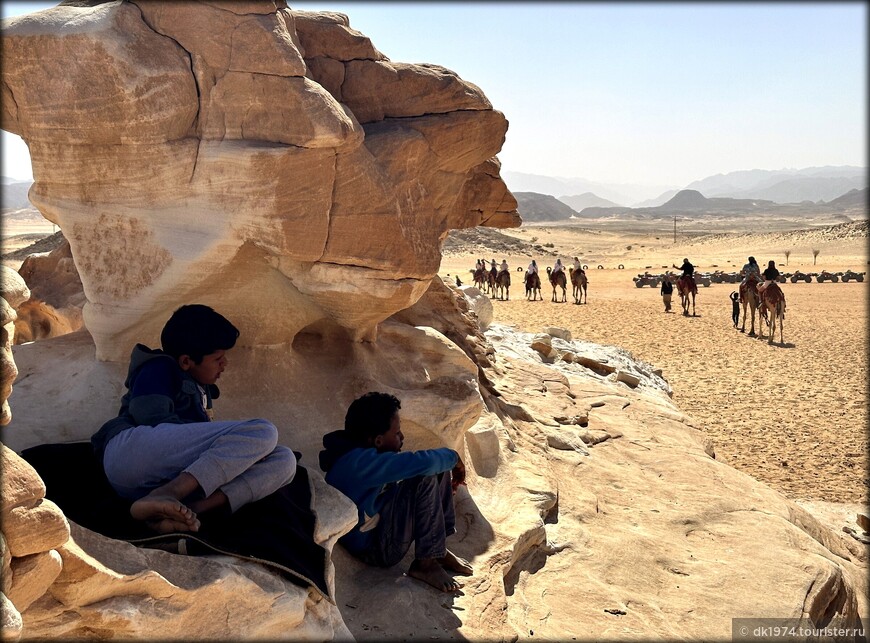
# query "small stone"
(627, 378)
(561, 333)
(543, 345)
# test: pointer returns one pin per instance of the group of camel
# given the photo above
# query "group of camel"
(498, 283)
(770, 305)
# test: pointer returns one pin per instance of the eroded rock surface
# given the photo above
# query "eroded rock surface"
(56, 296)
(14, 292)
(184, 145)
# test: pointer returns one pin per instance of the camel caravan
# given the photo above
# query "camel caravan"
(759, 291)
(496, 280)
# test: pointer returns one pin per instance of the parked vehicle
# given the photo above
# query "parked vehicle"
(647, 279)
(800, 276)
(849, 275)
(824, 276)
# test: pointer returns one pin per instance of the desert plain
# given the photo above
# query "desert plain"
(791, 414)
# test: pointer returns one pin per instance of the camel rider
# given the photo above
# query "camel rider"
(478, 266)
(503, 267)
(557, 267)
(771, 274)
(687, 268)
(750, 269)
(533, 268)
(577, 265)
(492, 266)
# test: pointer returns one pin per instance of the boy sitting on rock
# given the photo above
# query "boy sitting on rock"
(401, 497)
(164, 452)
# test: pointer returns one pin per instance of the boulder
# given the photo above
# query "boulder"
(32, 576)
(627, 378)
(19, 482)
(14, 290)
(480, 305)
(34, 528)
(543, 344)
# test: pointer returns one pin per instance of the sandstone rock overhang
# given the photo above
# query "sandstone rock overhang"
(190, 149)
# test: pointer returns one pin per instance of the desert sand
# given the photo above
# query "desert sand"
(792, 415)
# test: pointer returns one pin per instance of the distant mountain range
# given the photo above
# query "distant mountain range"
(693, 203)
(586, 200)
(781, 186)
(15, 194)
(542, 207)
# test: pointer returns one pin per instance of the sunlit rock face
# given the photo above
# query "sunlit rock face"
(188, 150)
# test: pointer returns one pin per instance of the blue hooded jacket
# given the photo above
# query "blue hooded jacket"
(158, 392)
(363, 475)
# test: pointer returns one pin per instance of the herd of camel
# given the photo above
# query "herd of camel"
(769, 305)
(498, 284)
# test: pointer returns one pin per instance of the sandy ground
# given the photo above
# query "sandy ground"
(792, 415)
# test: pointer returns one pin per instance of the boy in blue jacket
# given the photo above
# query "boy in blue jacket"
(164, 452)
(401, 497)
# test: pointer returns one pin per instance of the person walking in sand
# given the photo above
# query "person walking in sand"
(735, 307)
(667, 292)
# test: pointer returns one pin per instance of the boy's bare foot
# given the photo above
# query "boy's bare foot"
(164, 514)
(454, 563)
(430, 572)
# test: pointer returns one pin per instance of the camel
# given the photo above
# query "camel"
(687, 288)
(773, 301)
(749, 297)
(533, 286)
(579, 282)
(558, 280)
(491, 275)
(480, 279)
(503, 284)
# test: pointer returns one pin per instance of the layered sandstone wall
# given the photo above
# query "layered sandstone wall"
(187, 149)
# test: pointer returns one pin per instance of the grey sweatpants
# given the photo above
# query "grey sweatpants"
(419, 511)
(241, 458)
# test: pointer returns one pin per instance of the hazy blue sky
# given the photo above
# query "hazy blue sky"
(651, 93)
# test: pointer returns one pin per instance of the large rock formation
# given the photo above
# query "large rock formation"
(274, 164)
(56, 296)
(244, 146)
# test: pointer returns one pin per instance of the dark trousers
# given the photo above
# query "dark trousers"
(735, 312)
(418, 510)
